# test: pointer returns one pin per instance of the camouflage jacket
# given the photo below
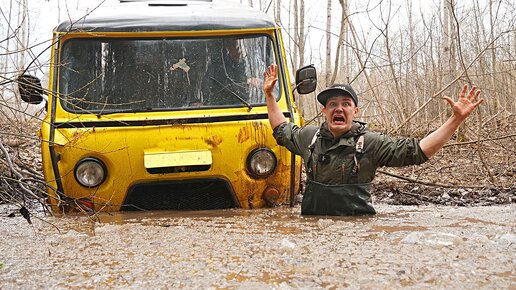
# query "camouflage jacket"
(332, 161)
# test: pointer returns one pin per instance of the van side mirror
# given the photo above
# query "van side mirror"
(30, 89)
(306, 79)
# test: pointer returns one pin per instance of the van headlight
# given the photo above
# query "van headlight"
(90, 172)
(261, 162)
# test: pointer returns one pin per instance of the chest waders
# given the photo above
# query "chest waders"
(340, 199)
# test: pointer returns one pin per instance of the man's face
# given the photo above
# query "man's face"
(339, 113)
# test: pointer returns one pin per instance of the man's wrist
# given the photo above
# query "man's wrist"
(457, 120)
(270, 95)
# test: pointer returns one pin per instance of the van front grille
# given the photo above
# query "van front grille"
(196, 194)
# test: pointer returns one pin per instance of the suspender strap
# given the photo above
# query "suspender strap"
(314, 139)
(359, 150)
(359, 145)
(311, 167)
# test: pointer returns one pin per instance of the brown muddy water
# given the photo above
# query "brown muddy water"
(401, 247)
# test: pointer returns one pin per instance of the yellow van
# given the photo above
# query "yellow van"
(158, 105)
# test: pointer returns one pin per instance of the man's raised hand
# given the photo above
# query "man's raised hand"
(466, 103)
(271, 77)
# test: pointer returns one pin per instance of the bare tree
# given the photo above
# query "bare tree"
(328, 44)
(299, 41)
(341, 49)
(22, 40)
(295, 46)
(495, 104)
(302, 36)
(345, 56)
(449, 37)
(277, 12)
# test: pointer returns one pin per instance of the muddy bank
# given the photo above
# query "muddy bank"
(414, 247)
(399, 193)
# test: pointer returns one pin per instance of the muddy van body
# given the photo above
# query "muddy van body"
(160, 106)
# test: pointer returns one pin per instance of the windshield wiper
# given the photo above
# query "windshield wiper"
(133, 110)
(233, 93)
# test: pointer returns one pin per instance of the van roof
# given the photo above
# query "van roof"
(142, 16)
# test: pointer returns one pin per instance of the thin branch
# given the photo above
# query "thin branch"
(480, 140)
(428, 183)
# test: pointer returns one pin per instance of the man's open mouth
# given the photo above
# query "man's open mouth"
(338, 120)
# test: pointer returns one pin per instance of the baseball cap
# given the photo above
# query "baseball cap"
(335, 91)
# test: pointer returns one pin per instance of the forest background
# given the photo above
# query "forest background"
(401, 57)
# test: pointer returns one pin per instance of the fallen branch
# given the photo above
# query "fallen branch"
(13, 170)
(411, 180)
(482, 140)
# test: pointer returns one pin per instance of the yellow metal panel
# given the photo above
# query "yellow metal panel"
(178, 158)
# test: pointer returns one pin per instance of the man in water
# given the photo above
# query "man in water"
(341, 156)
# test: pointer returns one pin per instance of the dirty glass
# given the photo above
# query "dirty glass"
(112, 75)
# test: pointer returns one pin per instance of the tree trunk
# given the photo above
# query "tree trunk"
(449, 64)
(277, 13)
(327, 68)
(412, 77)
(452, 57)
(495, 96)
(340, 43)
(302, 35)
(449, 38)
(58, 11)
(345, 56)
(295, 47)
(22, 39)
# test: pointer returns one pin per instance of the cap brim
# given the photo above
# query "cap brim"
(323, 96)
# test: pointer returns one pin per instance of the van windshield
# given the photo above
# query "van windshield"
(126, 74)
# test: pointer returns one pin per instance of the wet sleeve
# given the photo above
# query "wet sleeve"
(294, 138)
(397, 153)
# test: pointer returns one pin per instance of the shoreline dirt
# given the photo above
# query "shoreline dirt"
(402, 247)
(400, 193)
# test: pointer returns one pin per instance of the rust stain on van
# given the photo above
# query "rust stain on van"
(259, 132)
(214, 141)
(243, 135)
(77, 135)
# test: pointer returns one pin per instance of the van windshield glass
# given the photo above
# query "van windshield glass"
(111, 75)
